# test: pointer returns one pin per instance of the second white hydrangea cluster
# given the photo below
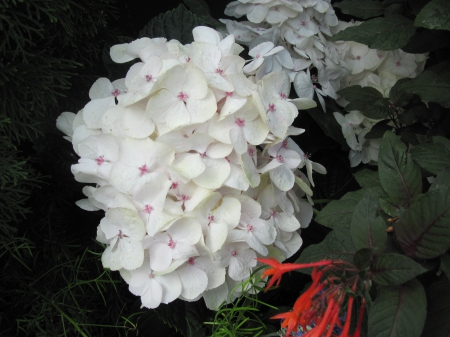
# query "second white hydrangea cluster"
(292, 36)
(193, 166)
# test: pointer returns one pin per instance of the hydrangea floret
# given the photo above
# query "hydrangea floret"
(191, 161)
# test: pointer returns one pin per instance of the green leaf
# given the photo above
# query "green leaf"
(394, 269)
(437, 323)
(399, 175)
(433, 157)
(423, 231)
(442, 140)
(176, 24)
(398, 311)
(201, 9)
(399, 97)
(358, 93)
(367, 178)
(367, 100)
(408, 136)
(414, 114)
(434, 15)
(445, 264)
(364, 9)
(337, 245)
(338, 213)
(368, 229)
(442, 179)
(427, 40)
(329, 125)
(390, 206)
(362, 258)
(432, 85)
(386, 33)
(378, 130)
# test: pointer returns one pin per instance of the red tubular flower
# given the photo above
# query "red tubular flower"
(278, 269)
(360, 318)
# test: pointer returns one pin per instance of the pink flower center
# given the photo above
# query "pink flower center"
(182, 96)
(272, 107)
(188, 59)
(280, 159)
(398, 64)
(185, 197)
(284, 144)
(283, 95)
(249, 228)
(174, 185)
(277, 9)
(234, 253)
(143, 169)
(379, 55)
(148, 209)
(100, 160)
(210, 218)
(171, 244)
(314, 78)
(115, 93)
(121, 236)
(358, 58)
(228, 160)
(314, 86)
(240, 122)
(251, 152)
(191, 261)
(273, 213)
(303, 23)
(219, 71)
(148, 78)
(258, 56)
(203, 155)
(229, 94)
(306, 155)
(151, 275)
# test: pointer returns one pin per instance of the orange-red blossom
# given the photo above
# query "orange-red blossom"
(321, 304)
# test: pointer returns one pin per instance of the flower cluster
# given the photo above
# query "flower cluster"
(318, 311)
(192, 163)
(291, 36)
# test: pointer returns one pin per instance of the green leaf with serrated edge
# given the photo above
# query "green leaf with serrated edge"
(427, 40)
(390, 206)
(433, 157)
(367, 178)
(337, 245)
(378, 130)
(434, 15)
(413, 115)
(432, 85)
(363, 9)
(338, 213)
(437, 323)
(394, 269)
(442, 179)
(445, 264)
(329, 125)
(398, 311)
(367, 100)
(386, 33)
(358, 93)
(400, 177)
(399, 97)
(175, 24)
(423, 231)
(368, 229)
(442, 140)
(378, 110)
(362, 258)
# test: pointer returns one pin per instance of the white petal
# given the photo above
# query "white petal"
(282, 177)
(160, 256)
(171, 285)
(153, 296)
(131, 253)
(193, 281)
(102, 88)
(188, 165)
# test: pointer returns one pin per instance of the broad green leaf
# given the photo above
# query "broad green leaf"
(337, 245)
(378, 130)
(329, 125)
(201, 9)
(390, 206)
(432, 85)
(423, 230)
(433, 157)
(358, 93)
(445, 265)
(427, 40)
(176, 24)
(364, 9)
(437, 323)
(394, 269)
(400, 177)
(362, 258)
(386, 33)
(338, 213)
(442, 140)
(398, 311)
(408, 136)
(442, 179)
(434, 15)
(399, 97)
(368, 228)
(367, 178)
(414, 114)
(367, 100)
